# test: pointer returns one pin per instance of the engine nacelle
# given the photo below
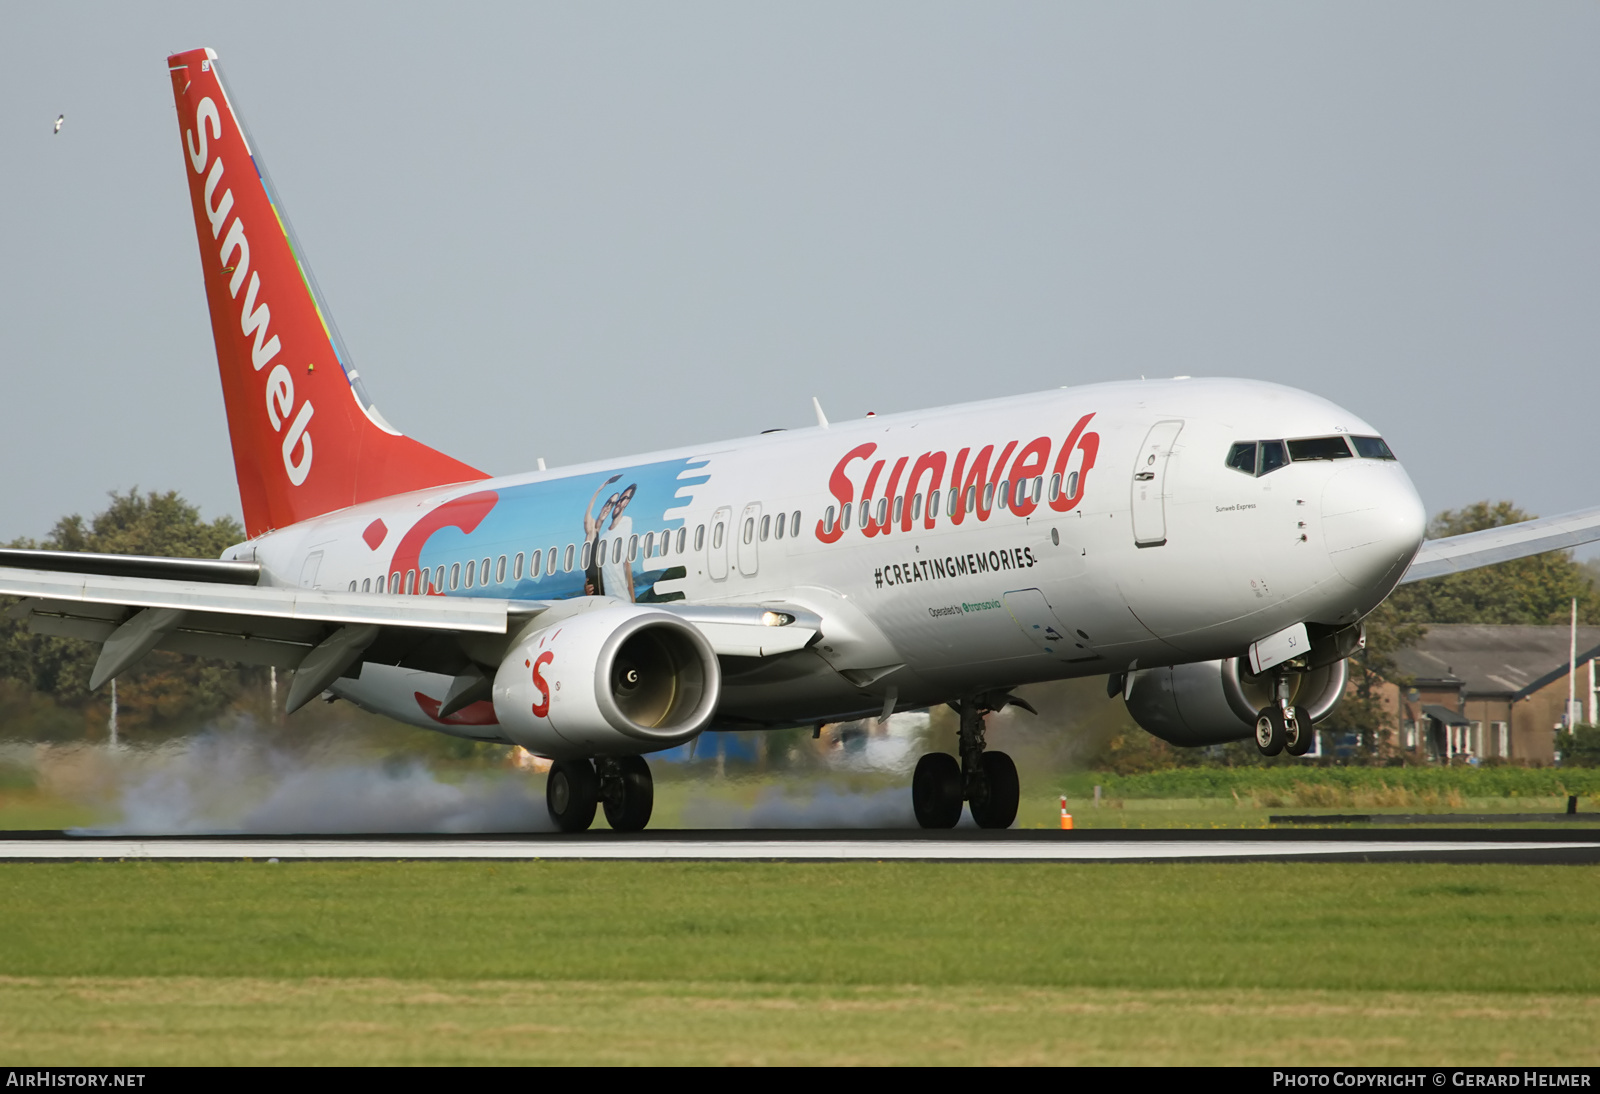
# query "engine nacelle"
(617, 681)
(1211, 702)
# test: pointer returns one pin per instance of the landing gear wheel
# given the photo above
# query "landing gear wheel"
(936, 791)
(1301, 739)
(1270, 731)
(571, 793)
(629, 795)
(998, 807)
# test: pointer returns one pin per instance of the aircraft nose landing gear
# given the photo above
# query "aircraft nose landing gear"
(987, 781)
(1283, 727)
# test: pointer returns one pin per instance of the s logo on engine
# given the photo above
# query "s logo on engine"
(541, 709)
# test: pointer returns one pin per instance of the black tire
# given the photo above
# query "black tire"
(570, 794)
(630, 811)
(998, 809)
(1270, 731)
(936, 791)
(1304, 736)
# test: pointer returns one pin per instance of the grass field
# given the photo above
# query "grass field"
(1268, 963)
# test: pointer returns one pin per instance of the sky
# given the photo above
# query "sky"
(575, 231)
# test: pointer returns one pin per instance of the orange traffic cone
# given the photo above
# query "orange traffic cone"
(1066, 818)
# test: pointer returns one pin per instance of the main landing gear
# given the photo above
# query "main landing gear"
(987, 781)
(622, 785)
(1283, 727)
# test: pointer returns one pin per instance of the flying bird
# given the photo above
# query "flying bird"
(59, 119)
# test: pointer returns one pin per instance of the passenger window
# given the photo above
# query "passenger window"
(778, 530)
(844, 517)
(588, 549)
(1055, 486)
(952, 502)
(411, 582)
(1242, 457)
(472, 568)
(649, 544)
(352, 586)
(1371, 448)
(1319, 448)
(1002, 494)
(616, 551)
(699, 537)
(827, 520)
(971, 498)
(1272, 456)
(716, 537)
(633, 547)
(749, 529)
(455, 575)
(1038, 489)
(682, 534)
(438, 578)
(566, 560)
(988, 496)
(899, 508)
(366, 584)
(766, 528)
(883, 510)
(1072, 485)
(516, 566)
(933, 502)
(500, 571)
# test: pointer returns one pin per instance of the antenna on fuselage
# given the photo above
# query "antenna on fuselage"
(822, 419)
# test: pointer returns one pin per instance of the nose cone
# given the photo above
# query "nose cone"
(1372, 524)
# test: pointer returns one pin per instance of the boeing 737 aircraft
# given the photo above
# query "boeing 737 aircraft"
(1210, 546)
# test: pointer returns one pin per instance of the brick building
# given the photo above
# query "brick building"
(1490, 691)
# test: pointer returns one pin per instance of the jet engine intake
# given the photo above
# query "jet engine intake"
(617, 681)
(1212, 702)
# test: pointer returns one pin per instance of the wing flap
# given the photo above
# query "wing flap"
(320, 606)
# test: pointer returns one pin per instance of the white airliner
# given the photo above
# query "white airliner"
(1208, 545)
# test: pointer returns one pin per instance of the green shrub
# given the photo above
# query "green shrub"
(1221, 782)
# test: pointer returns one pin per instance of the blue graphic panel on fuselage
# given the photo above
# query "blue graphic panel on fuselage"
(603, 511)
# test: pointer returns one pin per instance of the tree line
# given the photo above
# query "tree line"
(44, 681)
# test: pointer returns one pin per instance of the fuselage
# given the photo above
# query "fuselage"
(1092, 529)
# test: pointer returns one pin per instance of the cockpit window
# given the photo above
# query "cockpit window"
(1261, 457)
(1257, 457)
(1319, 448)
(1371, 448)
(1242, 457)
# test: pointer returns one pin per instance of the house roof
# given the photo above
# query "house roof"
(1495, 660)
(1445, 714)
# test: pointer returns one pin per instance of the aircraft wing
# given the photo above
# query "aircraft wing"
(1455, 554)
(206, 608)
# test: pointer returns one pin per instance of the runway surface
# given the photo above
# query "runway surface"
(1137, 845)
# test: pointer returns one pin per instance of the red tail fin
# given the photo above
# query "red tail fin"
(306, 440)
